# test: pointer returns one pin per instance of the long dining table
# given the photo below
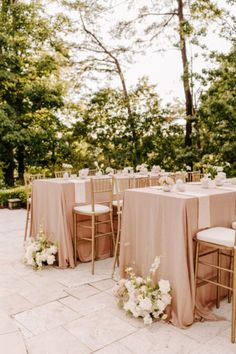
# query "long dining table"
(161, 223)
(51, 210)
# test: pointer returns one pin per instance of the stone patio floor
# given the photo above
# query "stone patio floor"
(69, 311)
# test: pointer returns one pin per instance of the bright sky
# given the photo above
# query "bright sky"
(163, 69)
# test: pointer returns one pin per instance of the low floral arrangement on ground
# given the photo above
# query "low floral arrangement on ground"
(141, 297)
(40, 252)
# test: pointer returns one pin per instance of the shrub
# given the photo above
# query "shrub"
(19, 192)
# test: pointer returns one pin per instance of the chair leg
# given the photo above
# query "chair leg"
(196, 271)
(93, 242)
(75, 237)
(27, 221)
(233, 299)
(118, 238)
(112, 229)
(218, 279)
(116, 258)
(230, 279)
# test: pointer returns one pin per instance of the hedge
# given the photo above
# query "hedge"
(18, 192)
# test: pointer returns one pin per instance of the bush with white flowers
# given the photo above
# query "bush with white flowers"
(141, 297)
(40, 252)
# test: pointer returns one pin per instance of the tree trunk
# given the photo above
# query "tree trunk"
(21, 162)
(186, 80)
(8, 168)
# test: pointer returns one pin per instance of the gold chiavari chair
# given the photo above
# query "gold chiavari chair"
(194, 176)
(92, 172)
(60, 174)
(141, 181)
(180, 175)
(154, 180)
(28, 179)
(121, 184)
(219, 240)
(101, 205)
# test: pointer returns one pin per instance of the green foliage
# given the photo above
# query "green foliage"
(217, 114)
(31, 92)
(19, 192)
(103, 129)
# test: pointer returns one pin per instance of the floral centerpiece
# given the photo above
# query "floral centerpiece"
(141, 297)
(167, 183)
(40, 252)
(156, 169)
(143, 168)
(127, 170)
(109, 170)
(67, 166)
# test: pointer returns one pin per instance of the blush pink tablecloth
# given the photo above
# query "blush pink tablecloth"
(52, 204)
(164, 223)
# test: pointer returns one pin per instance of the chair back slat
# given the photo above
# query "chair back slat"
(101, 191)
(141, 182)
(154, 180)
(60, 174)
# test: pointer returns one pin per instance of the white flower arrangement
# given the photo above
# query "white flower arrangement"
(141, 297)
(166, 180)
(127, 170)
(142, 167)
(109, 170)
(40, 252)
(67, 166)
(156, 169)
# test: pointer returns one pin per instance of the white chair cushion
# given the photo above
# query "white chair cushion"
(234, 225)
(219, 235)
(87, 209)
(115, 203)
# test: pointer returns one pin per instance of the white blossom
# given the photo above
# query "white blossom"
(164, 286)
(145, 304)
(141, 297)
(147, 320)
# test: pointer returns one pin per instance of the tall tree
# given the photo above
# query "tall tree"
(98, 55)
(179, 22)
(217, 114)
(31, 55)
(104, 127)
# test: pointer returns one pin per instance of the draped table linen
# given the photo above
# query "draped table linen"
(52, 205)
(164, 223)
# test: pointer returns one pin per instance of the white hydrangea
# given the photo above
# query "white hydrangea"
(147, 319)
(40, 252)
(145, 304)
(164, 286)
(141, 297)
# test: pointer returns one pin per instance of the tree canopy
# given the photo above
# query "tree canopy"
(46, 61)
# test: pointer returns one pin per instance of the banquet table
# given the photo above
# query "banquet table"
(158, 223)
(51, 209)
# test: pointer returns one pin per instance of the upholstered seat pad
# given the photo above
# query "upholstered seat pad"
(87, 209)
(219, 235)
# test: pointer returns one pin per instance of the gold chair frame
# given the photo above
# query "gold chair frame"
(216, 280)
(99, 186)
(121, 184)
(28, 179)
